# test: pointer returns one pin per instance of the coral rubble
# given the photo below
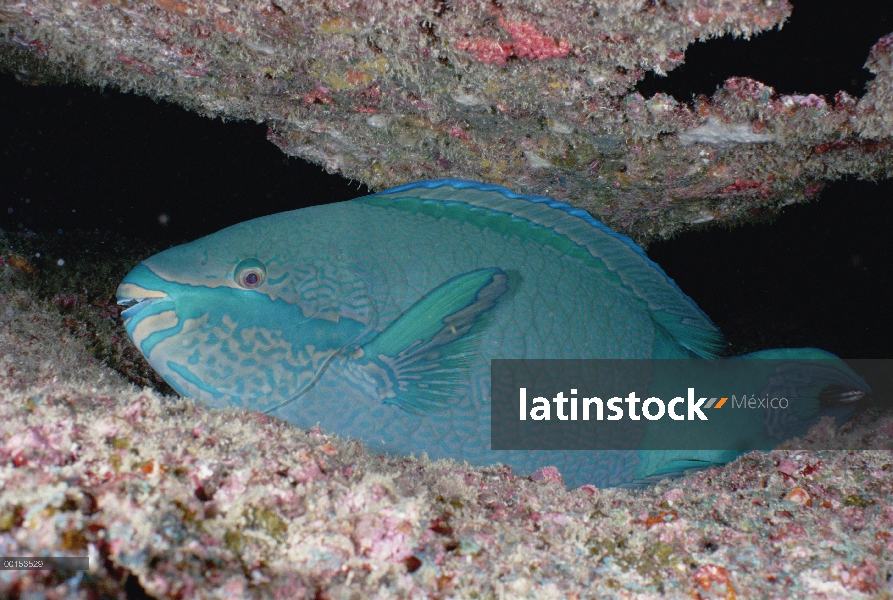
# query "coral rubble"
(536, 95)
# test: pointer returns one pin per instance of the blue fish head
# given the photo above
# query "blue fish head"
(227, 318)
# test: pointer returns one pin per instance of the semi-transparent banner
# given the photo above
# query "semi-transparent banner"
(723, 404)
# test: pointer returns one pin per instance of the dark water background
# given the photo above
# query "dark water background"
(73, 157)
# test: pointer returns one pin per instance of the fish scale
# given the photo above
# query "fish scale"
(377, 318)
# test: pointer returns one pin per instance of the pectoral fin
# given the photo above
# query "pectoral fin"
(421, 358)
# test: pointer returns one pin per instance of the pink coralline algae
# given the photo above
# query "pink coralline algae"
(547, 474)
(384, 536)
(713, 581)
(526, 42)
(136, 63)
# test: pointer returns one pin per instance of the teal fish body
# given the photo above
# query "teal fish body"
(377, 318)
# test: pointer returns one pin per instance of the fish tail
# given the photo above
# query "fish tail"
(817, 383)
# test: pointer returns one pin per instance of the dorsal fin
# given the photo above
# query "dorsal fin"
(670, 308)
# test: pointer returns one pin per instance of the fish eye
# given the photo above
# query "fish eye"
(250, 273)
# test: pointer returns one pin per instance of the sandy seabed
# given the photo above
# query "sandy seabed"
(170, 500)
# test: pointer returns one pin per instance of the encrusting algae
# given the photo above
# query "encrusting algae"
(536, 95)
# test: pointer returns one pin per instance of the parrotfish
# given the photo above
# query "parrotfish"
(377, 318)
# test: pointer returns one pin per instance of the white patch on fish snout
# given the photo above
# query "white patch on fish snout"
(132, 291)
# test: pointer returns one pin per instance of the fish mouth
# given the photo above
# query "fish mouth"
(134, 306)
(136, 299)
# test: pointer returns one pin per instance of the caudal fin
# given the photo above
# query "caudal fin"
(817, 384)
(789, 391)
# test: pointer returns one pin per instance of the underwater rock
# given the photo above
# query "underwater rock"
(539, 96)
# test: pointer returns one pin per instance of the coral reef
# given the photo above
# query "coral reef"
(170, 500)
(535, 95)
